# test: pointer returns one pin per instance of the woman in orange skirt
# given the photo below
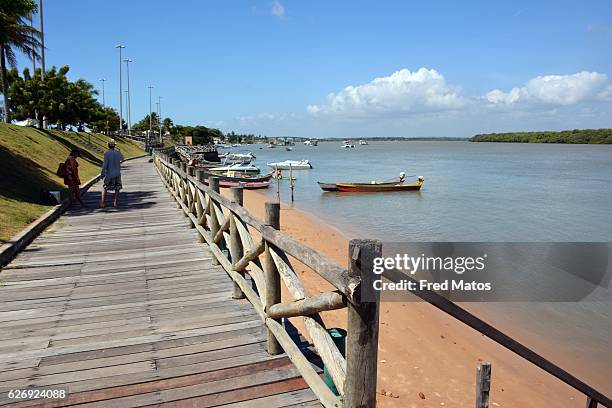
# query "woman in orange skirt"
(72, 177)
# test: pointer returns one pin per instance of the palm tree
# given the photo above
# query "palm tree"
(16, 34)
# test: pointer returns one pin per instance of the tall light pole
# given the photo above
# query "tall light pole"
(42, 52)
(42, 38)
(103, 80)
(150, 116)
(128, 103)
(159, 118)
(120, 90)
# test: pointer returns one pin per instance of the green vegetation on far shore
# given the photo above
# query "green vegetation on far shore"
(576, 136)
(28, 161)
(396, 139)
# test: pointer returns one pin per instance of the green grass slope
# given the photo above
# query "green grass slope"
(28, 161)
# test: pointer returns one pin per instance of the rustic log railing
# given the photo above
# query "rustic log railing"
(355, 376)
(243, 245)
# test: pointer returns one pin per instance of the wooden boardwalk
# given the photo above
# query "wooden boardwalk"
(124, 308)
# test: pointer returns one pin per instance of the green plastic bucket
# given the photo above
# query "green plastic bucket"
(339, 338)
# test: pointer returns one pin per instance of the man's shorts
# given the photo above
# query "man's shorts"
(112, 183)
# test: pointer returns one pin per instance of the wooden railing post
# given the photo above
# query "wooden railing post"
(272, 277)
(362, 336)
(591, 403)
(213, 184)
(236, 250)
(483, 385)
(200, 178)
(184, 167)
(191, 170)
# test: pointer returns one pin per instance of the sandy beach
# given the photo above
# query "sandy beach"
(426, 358)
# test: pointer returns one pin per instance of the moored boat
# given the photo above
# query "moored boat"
(363, 142)
(235, 179)
(328, 186)
(374, 186)
(239, 156)
(291, 164)
(249, 185)
(239, 168)
(378, 187)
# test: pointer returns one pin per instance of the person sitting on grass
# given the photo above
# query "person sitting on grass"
(71, 179)
(111, 172)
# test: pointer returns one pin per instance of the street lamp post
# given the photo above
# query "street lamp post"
(127, 95)
(128, 103)
(150, 116)
(120, 46)
(159, 118)
(42, 38)
(42, 52)
(103, 80)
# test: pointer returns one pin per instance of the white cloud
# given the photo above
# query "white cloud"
(555, 90)
(278, 9)
(421, 103)
(402, 92)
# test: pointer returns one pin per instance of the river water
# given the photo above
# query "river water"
(488, 192)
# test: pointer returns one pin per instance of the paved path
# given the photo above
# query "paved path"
(124, 308)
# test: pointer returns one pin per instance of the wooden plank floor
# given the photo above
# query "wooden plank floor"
(124, 308)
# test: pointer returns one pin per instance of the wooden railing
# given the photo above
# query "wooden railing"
(243, 245)
(355, 376)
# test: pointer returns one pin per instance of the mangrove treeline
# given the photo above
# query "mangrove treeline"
(576, 136)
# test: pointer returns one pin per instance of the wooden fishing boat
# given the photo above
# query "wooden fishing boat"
(373, 186)
(249, 185)
(378, 187)
(328, 186)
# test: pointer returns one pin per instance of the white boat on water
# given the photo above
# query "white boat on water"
(239, 168)
(291, 164)
(363, 142)
(240, 156)
(347, 144)
(311, 142)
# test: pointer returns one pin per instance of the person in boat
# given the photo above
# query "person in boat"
(402, 177)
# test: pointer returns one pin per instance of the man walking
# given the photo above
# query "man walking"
(111, 172)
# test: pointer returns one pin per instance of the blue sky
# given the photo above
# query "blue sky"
(283, 67)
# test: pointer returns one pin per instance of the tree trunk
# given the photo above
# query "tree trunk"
(5, 85)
